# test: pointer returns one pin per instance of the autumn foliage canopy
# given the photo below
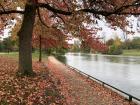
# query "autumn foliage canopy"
(68, 16)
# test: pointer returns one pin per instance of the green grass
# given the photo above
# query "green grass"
(35, 55)
(10, 54)
(131, 52)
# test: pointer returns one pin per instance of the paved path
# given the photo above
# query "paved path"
(79, 90)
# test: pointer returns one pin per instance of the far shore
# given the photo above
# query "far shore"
(126, 53)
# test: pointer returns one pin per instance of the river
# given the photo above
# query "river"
(122, 72)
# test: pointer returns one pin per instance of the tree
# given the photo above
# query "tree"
(110, 42)
(7, 44)
(136, 43)
(115, 46)
(85, 47)
(1, 46)
(50, 39)
(89, 37)
(70, 12)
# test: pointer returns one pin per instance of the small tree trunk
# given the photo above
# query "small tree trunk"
(25, 38)
(40, 49)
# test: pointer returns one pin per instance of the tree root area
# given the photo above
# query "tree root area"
(37, 90)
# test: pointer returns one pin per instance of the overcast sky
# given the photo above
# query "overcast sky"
(106, 32)
(110, 33)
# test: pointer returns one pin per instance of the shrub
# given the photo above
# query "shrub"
(113, 50)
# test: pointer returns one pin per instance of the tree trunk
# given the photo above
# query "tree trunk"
(40, 49)
(25, 41)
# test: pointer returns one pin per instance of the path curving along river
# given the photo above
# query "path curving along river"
(122, 72)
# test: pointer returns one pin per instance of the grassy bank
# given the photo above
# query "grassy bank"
(35, 56)
(131, 52)
(10, 54)
(15, 55)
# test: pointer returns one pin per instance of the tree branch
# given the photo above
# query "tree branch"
(41, 20)
(102, 12)
(124, 7)
(11, 11)
(129, 13)
(66, 5)
(2, 7)
(50, 8)
(59, 11)
(106, 13)
(60, 17)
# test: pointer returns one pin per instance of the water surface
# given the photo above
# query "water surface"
(122, 72)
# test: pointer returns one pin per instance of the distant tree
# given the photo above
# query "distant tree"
(136, 43)
(50, 39)
(115, 46)
(117, 42)
(89, 37)
(75, 47)
(110, 42)
(7, 45)
(85, 47)
(132, 44)
(127, 44)
(1, 46)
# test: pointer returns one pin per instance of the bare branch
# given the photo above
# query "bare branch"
(11, 11)
(106, 13)
(129, 13)
(60, 18)
(66, 5)
(50, 8)
(41, 20)
(2, 7)
(118, 11)
(124, 7)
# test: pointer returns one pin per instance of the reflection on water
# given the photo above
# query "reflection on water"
(119, 71)
(123, 59)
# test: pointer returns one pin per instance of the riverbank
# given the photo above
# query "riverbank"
(78, 90)
(57, 85)
(131, 52)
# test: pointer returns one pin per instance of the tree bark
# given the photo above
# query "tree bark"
(25, 41)
(40, 49)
